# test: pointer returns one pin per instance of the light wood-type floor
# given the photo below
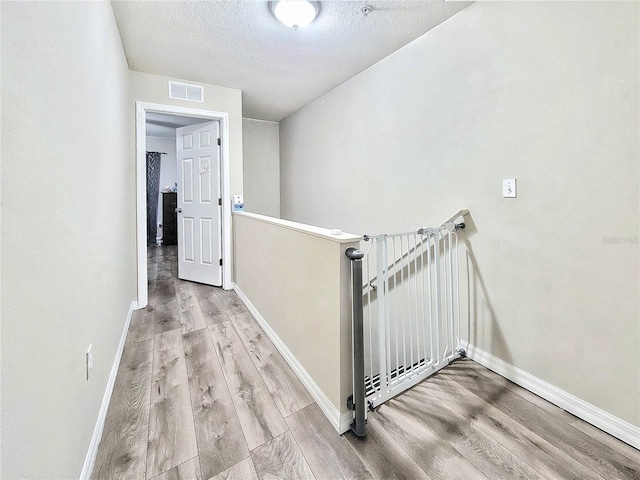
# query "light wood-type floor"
(202, 393)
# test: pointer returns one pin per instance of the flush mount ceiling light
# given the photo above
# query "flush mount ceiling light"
(295, 13)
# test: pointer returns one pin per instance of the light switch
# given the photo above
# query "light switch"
(509, 187)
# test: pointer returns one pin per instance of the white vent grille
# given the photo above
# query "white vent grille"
(184, 91)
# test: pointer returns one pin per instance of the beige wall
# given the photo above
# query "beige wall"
(146, 87)
(546, 92)
(261, 147)
(68, 228)
(299, 282)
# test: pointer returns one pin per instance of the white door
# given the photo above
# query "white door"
(199, 210)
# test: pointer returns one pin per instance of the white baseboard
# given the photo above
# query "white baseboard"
(346, 420)
(341, 422)
(90, 459)
(611, 424)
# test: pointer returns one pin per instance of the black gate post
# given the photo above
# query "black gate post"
(359, 426)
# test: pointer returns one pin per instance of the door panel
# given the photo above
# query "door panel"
(187, 181)
(206, 231)
(205, 139)
(205, 180)
(199, 232)
(188, 244)
(187, 141)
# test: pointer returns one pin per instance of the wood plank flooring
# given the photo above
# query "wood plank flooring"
(172, 435)
(216, 422)
(202, 393)
(260, 419)
(123, 449)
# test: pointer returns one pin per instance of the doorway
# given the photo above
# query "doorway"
(167, 117)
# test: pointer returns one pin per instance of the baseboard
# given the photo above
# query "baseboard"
(341, 422)
(611, 424)
(90, 459)
(346, 420)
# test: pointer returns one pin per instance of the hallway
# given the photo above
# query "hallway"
(202, 393)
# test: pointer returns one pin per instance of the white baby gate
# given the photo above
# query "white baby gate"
(411, 307)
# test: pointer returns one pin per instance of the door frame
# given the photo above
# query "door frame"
(141, 188)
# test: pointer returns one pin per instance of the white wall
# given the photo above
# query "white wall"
(261, 147)
(168, 166)
(146, 87)
(68, 228)
(546, 92)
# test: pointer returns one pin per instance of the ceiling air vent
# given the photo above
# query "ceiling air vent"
(184, 91)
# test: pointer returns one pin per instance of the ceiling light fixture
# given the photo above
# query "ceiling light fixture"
(295, 13)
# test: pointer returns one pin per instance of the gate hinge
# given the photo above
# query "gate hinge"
(220, 262)
(219, 142)
(220, 201)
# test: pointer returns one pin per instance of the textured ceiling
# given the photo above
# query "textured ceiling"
(239, 44)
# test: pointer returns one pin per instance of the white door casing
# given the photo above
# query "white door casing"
(199, 211)
(141, 189)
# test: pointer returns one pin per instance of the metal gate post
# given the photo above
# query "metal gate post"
(359, 426)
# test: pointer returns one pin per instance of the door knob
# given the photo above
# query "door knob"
(179, 210)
